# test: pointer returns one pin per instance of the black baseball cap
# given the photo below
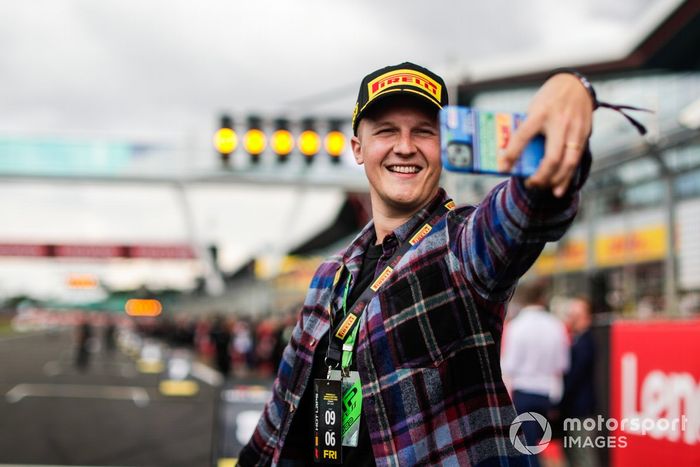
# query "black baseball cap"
(403, 79)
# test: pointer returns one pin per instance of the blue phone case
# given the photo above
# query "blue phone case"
(470, 140)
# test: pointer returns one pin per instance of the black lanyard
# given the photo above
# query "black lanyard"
(352, 318)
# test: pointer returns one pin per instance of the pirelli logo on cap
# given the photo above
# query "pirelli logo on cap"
(420, 235)
(381, 279)
(450, 205)
(404, 78)
(345, 327)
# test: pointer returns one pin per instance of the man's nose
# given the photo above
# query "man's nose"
(404, 144)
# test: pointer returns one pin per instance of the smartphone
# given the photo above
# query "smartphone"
(470, 140)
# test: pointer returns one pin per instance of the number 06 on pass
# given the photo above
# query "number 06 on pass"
(327, 421)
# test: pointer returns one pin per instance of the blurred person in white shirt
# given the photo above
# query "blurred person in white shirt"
(534, 357)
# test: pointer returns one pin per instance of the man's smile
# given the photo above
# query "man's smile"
(404, 169)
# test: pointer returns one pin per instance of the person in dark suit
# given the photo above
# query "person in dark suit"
(579, 393)
(84, 334)
(220, 335)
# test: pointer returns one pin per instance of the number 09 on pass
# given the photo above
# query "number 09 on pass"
(327, 421)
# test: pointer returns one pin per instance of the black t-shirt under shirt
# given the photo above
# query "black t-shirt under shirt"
(299, 443)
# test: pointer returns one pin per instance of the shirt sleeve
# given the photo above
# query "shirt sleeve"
(503, 236)
(564, 352)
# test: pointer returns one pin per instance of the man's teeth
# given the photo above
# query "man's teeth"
(404, 169)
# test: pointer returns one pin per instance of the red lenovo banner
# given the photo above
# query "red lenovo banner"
(655, 393)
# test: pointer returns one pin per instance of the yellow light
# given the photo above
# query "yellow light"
(141, 307)
(171, 387)
(225, 140)
(254, 142)
(282, 142)
(335, 143)
(309, 143)
(82, 281)
(149, 367)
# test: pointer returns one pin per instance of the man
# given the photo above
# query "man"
(426, 337)
(535, 356)
(579, 392)
(220, 335)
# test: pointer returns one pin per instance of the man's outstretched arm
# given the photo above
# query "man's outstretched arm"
(507, 231)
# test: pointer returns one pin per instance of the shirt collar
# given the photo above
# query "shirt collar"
(533, 308)
(354, 253)
(421, 216)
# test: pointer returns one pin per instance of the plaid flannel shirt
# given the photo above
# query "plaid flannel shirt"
(428, 347)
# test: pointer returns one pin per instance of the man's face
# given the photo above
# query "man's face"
(399, 145)
(579, 316)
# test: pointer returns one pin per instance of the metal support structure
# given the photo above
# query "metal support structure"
(617, 157)
(349, 180)
(589, 213)
(679, 137)
(671, 263)
(213, 282)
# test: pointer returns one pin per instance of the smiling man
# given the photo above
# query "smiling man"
(409, 316)
(399, 145)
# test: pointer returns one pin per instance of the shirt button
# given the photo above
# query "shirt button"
(312, 342)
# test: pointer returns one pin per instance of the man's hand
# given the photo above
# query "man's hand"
(562, 110)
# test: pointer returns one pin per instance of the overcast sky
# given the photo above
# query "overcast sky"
(145, 66)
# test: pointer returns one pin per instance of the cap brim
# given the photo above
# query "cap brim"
(393, 93)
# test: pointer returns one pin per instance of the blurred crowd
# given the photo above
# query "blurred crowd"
(235, 346)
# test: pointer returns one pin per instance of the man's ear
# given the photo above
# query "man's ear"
(357, 150)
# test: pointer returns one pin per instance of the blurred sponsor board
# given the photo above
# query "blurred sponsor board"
(241, 407)
(655, 392)
(151, 359)
(178, 381)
